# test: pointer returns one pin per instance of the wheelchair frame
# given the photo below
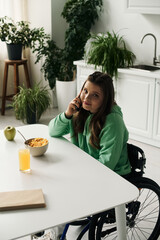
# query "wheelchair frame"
(138, 164)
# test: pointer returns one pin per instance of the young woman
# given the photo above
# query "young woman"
(95, 123)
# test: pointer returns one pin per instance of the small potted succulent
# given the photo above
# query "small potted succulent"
(29, 104)
(18, 35)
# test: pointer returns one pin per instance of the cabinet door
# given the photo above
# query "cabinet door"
(135, 95)
(82, 74)
(143, 6)
(156, 129)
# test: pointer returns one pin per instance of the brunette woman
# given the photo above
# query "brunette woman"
(95, 123)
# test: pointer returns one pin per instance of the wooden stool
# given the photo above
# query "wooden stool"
(15, 64)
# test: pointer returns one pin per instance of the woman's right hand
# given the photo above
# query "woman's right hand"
(73, 107)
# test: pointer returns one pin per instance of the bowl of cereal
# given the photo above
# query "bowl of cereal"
(37, 146)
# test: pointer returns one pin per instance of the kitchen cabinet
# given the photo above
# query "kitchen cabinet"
(135, 95)
(156, 128)
(143, 6)
(138, 95)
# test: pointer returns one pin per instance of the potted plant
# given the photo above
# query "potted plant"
(51, 66)
(109, 51)
(58, 67)
(18, 35)
(29, 104)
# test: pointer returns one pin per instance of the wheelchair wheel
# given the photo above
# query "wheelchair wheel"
(142, 216)
(145, 180)
(80, 222)
(84, 224)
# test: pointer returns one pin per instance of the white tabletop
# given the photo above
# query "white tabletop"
(74, 184)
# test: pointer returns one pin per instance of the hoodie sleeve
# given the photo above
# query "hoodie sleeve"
(59, 126)
(113, 141)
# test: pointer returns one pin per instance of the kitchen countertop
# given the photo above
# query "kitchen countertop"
(138, 72)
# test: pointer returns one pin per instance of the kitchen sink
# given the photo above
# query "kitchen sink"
(145, 67)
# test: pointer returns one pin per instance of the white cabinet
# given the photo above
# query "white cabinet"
(143, 6)
(135, 95)
(139, 98)
(156, 129)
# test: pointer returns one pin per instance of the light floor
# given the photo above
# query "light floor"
(152, 153)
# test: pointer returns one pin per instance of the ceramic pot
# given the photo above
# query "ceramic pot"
(31, 117)
(14, 51)
(66, 91)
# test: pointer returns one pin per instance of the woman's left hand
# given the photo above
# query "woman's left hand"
(73, 107)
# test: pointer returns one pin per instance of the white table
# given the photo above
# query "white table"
(73, 184)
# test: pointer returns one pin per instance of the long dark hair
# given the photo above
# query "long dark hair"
(105, 82)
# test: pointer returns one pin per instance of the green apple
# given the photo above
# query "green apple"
(10, 133)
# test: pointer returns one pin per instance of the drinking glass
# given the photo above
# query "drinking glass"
(24, 160)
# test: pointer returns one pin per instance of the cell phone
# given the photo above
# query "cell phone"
(77, 107)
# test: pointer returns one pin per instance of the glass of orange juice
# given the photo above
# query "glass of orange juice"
(24, 160)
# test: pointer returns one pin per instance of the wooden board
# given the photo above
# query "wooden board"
(21, 199)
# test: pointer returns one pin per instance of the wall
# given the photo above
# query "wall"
(39, 15)
(47, 15)
(59, 24)
(132, 26)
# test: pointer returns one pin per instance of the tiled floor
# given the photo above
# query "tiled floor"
(152, 153)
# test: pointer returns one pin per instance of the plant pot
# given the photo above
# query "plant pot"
(14, 51)
(31, 117)
(66, 91)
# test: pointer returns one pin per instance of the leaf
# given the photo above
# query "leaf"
(109, 51)
(38, 97)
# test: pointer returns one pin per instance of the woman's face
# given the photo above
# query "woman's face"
(91, 97)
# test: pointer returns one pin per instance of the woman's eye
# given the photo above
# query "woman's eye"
(95, 95)
(85, 90)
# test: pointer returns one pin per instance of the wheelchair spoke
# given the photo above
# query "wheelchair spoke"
(142, 216)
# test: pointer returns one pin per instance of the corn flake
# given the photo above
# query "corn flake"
(38, 142)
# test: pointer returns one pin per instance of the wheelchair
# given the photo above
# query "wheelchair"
(142, 215)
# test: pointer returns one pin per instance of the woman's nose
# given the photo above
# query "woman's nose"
(87, 96)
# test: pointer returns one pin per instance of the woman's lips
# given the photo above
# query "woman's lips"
(86, 103)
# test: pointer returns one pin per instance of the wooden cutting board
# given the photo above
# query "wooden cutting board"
(21, 199)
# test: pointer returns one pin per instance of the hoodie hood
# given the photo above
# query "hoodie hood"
(116, 109)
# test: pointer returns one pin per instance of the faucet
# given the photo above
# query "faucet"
(155, 60)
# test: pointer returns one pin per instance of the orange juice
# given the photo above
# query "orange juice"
(24, 160)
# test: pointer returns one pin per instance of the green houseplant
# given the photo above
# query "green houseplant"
(58, 67)
(29, 104)
(52, 63)
(58, 64)
(109, 51)
(19, 34)
(80, 16)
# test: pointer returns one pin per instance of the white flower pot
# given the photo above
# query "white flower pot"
(66, 91)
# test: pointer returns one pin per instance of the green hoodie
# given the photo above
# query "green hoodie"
(113, 139)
